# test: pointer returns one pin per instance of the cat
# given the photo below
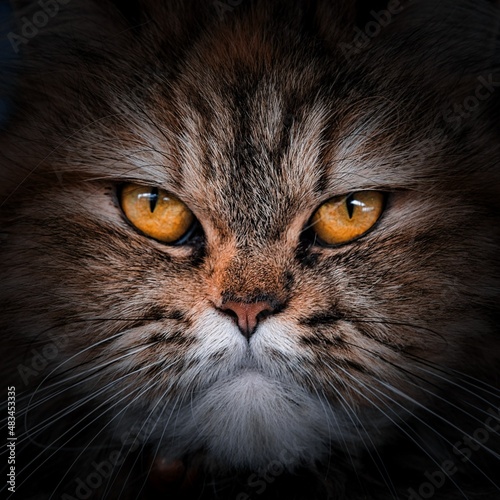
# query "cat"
(250, 250)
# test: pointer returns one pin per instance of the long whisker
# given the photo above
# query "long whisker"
(84, 376)
(364, 396)
(160, 440)
(71, 370)
(75, 426)
(67, 410)
(481, 384)
(420, 405)
(141, 392)
(410, 375)
(381, 469)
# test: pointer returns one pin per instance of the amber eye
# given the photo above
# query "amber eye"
(345, 218)
(156, 213)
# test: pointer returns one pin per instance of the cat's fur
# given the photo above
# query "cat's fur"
(385, 353)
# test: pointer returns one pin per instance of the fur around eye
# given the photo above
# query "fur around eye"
(345, 218)
(156, 213)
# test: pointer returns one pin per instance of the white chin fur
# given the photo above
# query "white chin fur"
(247, 417)
(250, 421)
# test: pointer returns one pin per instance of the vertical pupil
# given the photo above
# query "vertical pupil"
(153, 199)
(350, 205)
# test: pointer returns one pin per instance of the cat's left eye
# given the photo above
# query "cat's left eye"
(156, 213)
(344, 218)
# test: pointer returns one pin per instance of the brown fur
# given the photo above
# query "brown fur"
(254, 120)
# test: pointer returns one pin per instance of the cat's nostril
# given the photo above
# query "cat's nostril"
(231, 313)
(264, 314)
(248, 315)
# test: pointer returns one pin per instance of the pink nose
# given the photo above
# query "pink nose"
(248, 315)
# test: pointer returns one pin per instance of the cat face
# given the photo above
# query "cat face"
(249, 336)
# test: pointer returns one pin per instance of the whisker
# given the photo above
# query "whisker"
(74, 426)
(350, 413)
(83, 375)
(89, 347)
(141, 392)
(364, 396)
(40, 426)
(441, 369)
(420, 405)
(164, 425)
(411, 375)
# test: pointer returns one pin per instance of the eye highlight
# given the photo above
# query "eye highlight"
(156, 213)
(345, 218)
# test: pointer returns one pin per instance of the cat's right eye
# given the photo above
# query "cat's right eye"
(345, 218)
(156, 213)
